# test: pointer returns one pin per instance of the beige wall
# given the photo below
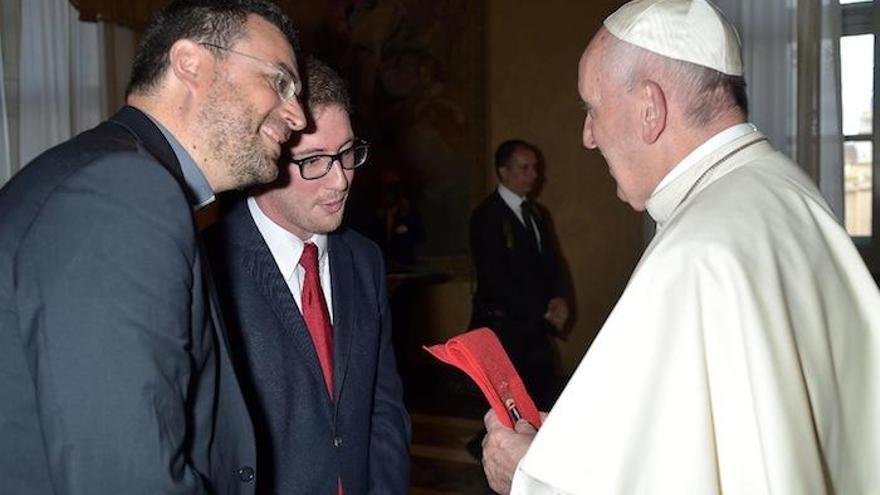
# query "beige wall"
(532, 54)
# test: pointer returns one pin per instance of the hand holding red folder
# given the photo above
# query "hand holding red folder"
(479, 354)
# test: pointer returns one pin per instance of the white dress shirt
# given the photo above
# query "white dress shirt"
(287, 249)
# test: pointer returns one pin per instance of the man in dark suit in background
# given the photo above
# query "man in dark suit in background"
(115, 376)
(520, 281)
(309, 321)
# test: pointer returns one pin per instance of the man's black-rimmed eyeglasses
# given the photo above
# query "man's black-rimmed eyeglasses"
(317, 166)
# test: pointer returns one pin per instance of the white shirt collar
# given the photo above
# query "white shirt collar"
(512, 199)
(286, 248)
(710, 145)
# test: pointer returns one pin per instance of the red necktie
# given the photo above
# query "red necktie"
(314, 310)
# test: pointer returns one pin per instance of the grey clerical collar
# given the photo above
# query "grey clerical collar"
(195, 180)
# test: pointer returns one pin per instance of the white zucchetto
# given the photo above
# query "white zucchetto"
(694, 31)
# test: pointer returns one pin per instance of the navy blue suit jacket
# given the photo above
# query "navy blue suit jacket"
(305, 441)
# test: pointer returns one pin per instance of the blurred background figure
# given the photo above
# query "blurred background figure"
(521, 282)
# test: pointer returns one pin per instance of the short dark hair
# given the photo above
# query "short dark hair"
(219, 22)
(506, 150)
(323, 86)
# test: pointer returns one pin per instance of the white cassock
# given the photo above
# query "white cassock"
(743, 357)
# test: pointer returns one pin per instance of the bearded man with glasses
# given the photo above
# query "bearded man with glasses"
(308, 317)
(115, 370)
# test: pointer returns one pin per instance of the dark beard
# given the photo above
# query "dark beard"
(233, 137)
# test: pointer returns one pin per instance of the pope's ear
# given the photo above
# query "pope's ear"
(653, 111)
(188, 62)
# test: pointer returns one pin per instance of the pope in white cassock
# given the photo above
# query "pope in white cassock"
(743, 357)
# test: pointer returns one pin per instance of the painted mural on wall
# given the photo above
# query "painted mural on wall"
(414, 70)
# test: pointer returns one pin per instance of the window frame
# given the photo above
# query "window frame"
(864, 18)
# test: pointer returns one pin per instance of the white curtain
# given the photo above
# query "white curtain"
(66, 76)
(830, 110)
(5, 151)
(62, 72)
(9, 27)
(791, 59)
(768, 31)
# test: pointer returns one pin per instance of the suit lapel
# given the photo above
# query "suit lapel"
(260, 264)
(344, 298)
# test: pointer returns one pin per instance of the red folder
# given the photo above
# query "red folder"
(480, 354)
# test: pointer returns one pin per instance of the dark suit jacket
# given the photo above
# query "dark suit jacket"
(304, 439)
(514, 279)
(114, 377)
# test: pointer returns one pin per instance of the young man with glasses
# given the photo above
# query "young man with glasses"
(116, 374)
(308, 316)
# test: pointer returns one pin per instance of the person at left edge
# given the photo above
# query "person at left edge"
(115, 374)
(327, 399)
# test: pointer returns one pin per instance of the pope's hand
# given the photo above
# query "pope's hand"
(502, 450)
